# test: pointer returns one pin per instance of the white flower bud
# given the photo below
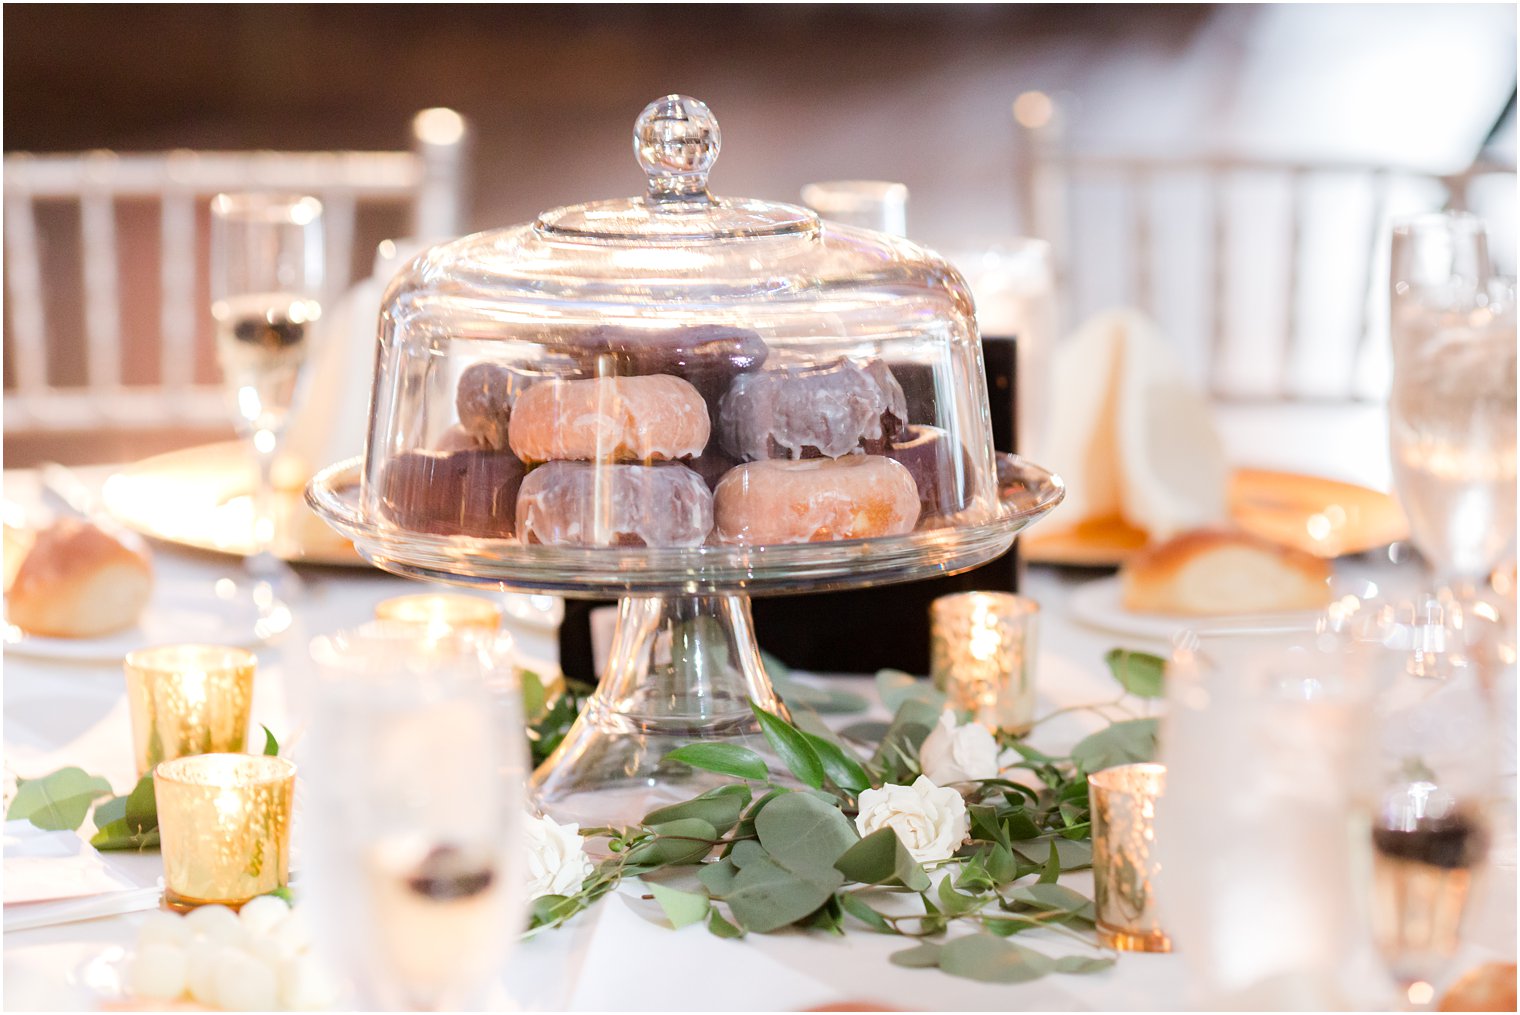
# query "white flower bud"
(557, 861)
(952, 753)
(930, 820)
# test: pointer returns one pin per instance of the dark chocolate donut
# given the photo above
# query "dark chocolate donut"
(453, 493)
(929, 454)
(707, 355)
(484, 401)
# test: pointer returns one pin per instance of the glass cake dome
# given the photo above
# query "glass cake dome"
(682, 400)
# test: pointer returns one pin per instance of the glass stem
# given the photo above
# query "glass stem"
(262, 563)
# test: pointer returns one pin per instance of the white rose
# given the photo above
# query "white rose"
(930, 820)
(952, 753)
(557, 862)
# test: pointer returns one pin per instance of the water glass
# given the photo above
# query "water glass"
(1260, 860)
(1452, 406)
(412, 824)
(865, 204)
(266, 285)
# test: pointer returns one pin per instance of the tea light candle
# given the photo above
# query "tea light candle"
(982, 655)
(1123, 816)
(441, 612)
(188, 699)
(224, 827)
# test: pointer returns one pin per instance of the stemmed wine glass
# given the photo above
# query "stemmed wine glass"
(1434, 781)
(1452, 408)
(266, 282)
(411, 825)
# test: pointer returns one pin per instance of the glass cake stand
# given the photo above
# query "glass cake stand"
(684, 665)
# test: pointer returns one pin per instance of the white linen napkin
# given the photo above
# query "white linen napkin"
(1129, 432)
(57, 877)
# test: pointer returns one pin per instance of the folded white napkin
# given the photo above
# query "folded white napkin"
(1130, 433)
(330, 423)
(42, 866)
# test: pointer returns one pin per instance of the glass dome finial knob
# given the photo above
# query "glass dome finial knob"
(676, 140)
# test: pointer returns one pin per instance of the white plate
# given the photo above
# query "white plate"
(1100, 604)
(183, 611)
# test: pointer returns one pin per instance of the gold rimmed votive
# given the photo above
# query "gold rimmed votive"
(1124, 871)
(436, 611)
(224, 827)
(188, 699)
(982, 655)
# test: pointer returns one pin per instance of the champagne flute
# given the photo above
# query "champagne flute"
(1452, 407)
(412, 821)
(266, 279)
(1433, 786)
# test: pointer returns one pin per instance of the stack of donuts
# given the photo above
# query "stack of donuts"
(679, 438)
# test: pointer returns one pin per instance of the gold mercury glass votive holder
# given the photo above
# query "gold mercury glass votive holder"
(224, 827)
(1123, 832)
(441, 612)
(188, 699)
(982, 651)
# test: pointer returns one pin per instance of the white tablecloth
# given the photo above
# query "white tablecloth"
(615, 956)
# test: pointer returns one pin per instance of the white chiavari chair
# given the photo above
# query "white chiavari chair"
(1271, 275)
(74, 378)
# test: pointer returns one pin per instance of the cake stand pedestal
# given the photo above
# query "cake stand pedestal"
(684, 666)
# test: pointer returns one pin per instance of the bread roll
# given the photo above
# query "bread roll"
(73, 579)
(1489, 987)
(1214, 573)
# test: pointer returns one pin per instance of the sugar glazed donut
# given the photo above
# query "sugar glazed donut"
(596, 504)
(609, 419)
(823, 411)
(814, 500)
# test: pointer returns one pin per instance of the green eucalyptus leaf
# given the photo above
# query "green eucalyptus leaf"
(719, 807)
(1139, 673)
(991, 959)
(1081, 964)
(1074, 854)
(142, 806)
(59, 801)
(747, 852)
(788, 742)
(721, 927)
(924, 956)
(271, 745)
(683, 841)
(118, 835)
(1052, 868)
(898, 752)
(857, 907)
(842, 770)
(107, 811)
(825, 701)
(718, 878)
(881, 859)
(534, 695)
(953, 903)
(1122, 743)
(803, 833)
(767, 896)
(552, 909)
(896, 687)
(869, 732)
(682, 909)
(725, 759)
(1050, 897)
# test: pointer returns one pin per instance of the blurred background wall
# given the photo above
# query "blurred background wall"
(916, 93)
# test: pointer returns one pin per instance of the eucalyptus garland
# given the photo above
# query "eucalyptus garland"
(756, 855)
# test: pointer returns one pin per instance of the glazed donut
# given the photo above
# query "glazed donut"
(593, 504)
(825, 411)
(945, 486)
(609, 419)
(779, 501)
(452, 493)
